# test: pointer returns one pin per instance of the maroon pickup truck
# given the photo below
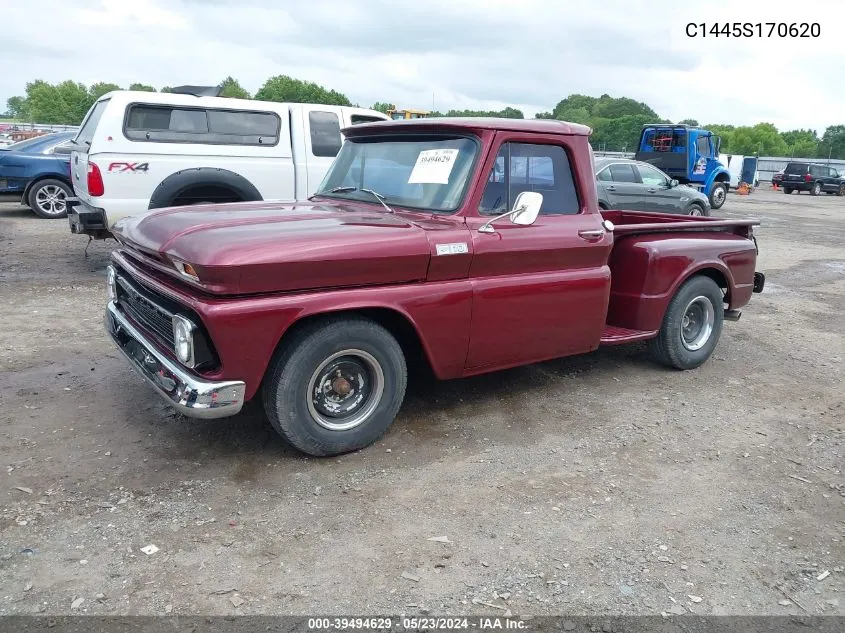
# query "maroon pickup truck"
(470, 244)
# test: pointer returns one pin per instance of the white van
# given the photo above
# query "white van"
(137, 151)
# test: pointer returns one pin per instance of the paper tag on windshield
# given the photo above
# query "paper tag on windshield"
(433, 166)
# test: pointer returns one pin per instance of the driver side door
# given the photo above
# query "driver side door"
(539, 291)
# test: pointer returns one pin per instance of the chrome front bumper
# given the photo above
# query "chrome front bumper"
(189, 395)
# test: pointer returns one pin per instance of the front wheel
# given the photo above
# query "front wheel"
(336, 386)
(697, 210)
(48, 198)
(691, 326)
(817, 189)
(841, 191)
(718, 195)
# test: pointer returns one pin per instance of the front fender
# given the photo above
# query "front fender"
(718, 174)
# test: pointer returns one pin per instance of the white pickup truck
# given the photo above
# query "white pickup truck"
(138, 151)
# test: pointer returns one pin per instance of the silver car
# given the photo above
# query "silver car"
(632, 185)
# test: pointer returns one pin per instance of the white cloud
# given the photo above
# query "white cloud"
(479, 54)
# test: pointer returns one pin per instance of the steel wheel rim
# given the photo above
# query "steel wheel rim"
(345, 389)
(697, 323)
(51, 199)
(719, 195)
(696, 210)
(817, 188)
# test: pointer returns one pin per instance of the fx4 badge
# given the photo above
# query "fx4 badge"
(122, 167)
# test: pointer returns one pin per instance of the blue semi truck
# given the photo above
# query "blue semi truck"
(688, 154)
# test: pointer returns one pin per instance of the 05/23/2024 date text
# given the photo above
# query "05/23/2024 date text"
(754, 29)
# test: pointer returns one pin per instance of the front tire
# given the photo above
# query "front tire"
(697, 210)
(718, 195)
(817, 189)
(691, 326)
(48, 198)
(841, 191)
(336, 386)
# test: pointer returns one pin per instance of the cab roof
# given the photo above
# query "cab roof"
(536, 126)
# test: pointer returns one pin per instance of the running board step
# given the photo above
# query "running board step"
(612, 335)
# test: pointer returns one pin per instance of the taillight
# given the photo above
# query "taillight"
(807, 177)
(95, 181)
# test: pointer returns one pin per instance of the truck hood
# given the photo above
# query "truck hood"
(257, 247)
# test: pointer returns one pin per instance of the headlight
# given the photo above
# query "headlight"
(111, 280)
(183, 340)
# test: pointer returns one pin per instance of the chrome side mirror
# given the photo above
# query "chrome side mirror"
(525, 210)
(673, 183)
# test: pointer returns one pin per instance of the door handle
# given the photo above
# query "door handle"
(652, 190)
(611, 188)
(592, 234)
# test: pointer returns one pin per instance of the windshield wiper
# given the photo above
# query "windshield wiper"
(375, 194)
(378, 197)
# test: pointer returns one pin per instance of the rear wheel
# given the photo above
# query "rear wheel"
(718, 195)
(817, 189)
(48, 198)
(691, 326)
(336, 386)
(787, 190)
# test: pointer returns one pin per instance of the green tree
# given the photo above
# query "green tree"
(45, 104)
(99, 89)
(506, 113)
(381, 107)
(620, 134)
(762, 139)
(286, 89)
(17, 107)
(231, 88)
(690, 122)
(833, 143)
(801, 143)
(141, 87)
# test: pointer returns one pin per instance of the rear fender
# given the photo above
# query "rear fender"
(647, 270)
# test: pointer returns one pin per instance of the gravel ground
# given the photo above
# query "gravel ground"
(600, 484)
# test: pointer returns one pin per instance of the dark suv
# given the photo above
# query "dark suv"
(812, 177)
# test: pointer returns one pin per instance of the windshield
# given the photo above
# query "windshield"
(429, 173)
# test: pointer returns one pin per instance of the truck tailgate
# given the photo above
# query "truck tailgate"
(638, 222)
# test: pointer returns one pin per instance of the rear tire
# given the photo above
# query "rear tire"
(335, 386)
(718, 195)
(691, 326)
(48, 198)
(787, 190)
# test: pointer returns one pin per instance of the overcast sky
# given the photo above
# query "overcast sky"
(479, 54)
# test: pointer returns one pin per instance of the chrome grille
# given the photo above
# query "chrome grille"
(143, 306)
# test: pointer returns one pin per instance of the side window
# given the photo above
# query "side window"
(834, 173)
(650, 176)
(169, 124)
(147, 118)
(702, 145)
(529, 167)
(604, 175)
(623, 173)
(325, 133)
(364, 118)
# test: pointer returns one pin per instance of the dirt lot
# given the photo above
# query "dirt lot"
(590, 485)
